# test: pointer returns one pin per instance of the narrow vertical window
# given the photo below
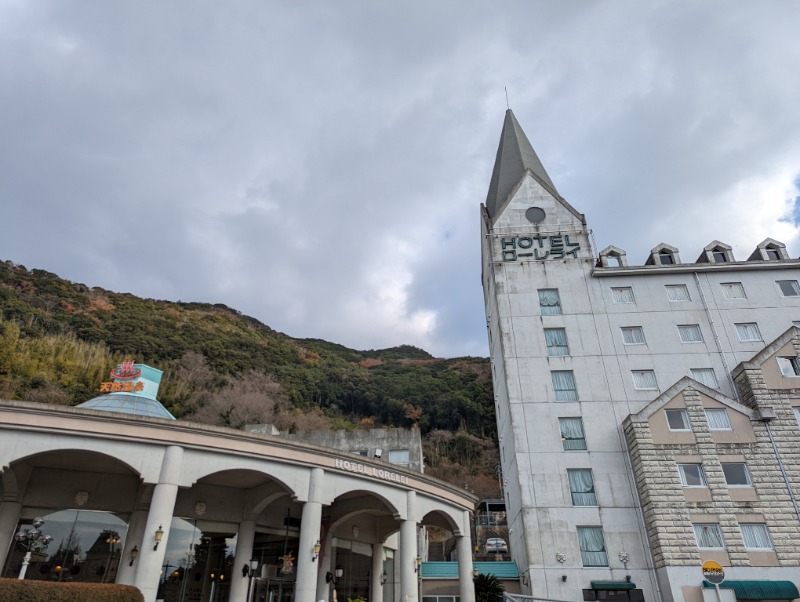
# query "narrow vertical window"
(564, 385)
(581, 486)
(549, 302)
(593, 546)
(572, 436)
(556, 340)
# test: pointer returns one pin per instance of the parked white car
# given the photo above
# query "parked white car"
(495, 545)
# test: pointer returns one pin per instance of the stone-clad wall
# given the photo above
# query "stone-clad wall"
(669, 515)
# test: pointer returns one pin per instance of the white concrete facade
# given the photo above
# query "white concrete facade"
(150, 470)
(552, 250)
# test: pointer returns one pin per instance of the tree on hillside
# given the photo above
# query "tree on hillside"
(252, 398)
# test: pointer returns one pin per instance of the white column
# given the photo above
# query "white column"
(305, 589)
(9, 517)
(408, 552)
(375, 586)
(127, 571)
(148, 565)
(325, 566)
(242, 557)
(466, 588)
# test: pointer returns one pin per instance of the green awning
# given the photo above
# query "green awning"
(760, 590)
(613, 585)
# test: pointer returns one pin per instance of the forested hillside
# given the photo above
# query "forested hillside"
(58, 340)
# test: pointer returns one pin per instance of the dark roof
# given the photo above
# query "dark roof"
(505, 569)
(515, 155)
(760, 589)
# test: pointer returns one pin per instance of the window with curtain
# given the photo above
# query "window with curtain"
(748, 332)
(564, 385)
(797, 413)
(678, 420)
(581, 486)
(556, 340)
(733, 290)
(644, 379)
(622, 294)
(593, 546)
(633, 335)
(705, 376)
(549, 302)
(736, 474)
(677, 292)
(756, 536)
(708, 536)
(692, 475)
(718, 419)
(572, 437)
(690, 333)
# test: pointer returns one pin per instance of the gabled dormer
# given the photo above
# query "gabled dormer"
(663, 254)
(716, 252)
(769, 249)
(776, 367)
(612, 257)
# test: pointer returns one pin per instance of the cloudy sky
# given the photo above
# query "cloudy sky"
(319, 165)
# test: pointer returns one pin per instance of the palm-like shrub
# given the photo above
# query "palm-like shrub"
(488, 588)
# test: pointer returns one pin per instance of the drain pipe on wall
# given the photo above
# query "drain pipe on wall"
(766, 418)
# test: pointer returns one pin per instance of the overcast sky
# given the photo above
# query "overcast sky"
(319, 165)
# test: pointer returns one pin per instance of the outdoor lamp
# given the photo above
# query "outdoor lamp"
(384, 577)
(159, 535)
(134, 555)
(338, 571)
(316, 550)
(474, 573)
(253, 565)
(418, 563)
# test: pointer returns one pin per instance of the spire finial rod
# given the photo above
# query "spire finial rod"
(508, 106)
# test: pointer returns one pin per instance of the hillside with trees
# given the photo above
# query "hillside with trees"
(58, 341)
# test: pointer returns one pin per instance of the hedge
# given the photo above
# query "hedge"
(14, 590)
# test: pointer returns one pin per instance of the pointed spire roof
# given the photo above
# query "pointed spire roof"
(515, 155)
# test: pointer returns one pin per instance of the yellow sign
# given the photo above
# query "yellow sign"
(713, 572)
(109, 387)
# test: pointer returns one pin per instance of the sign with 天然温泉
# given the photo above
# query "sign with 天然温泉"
(538, 247)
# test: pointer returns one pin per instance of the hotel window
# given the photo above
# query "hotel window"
(644, 380)
(692, 475)
(756, 536)
(736, 474)
(678, 420)
(789, 288)
(581, 486)
(789, 366)
(677, 292)
(719, 255)
(690, 333)
(633, 335)
(622, 294)
(705, 376)
(733, 290)
(718, 419)
(797, 413)
(666, 258)
(556, 340)
(748, 332)
(572, 436)
(772, 253)
(549, 302)
(708, 536)
(593, 546)
(399, 457)
(564, 385)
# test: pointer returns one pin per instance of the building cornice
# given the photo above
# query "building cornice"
(689, 268)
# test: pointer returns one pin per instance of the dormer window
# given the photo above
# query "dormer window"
(773, 253)
(719, 256)
(666, 258)
(612, 257)
(716, 252)
(663, 254)
(769, 249)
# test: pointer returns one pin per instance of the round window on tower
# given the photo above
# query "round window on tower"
(535, 215)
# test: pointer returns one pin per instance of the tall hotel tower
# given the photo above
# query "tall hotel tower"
(648, 414)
